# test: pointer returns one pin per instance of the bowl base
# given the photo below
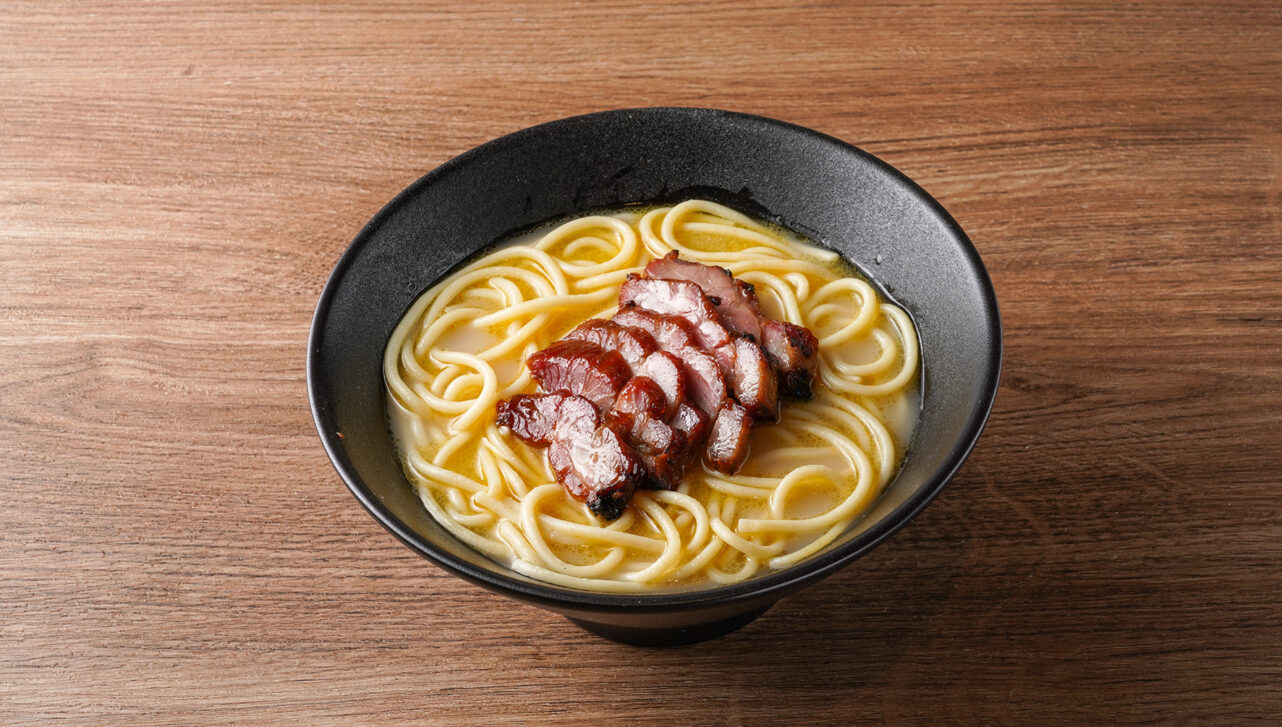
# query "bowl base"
(661, 637)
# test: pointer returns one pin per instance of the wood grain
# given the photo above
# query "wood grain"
(177, 180)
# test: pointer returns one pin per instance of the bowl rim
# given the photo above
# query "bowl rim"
(769, 585)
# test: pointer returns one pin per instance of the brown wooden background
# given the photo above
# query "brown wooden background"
(176, 181)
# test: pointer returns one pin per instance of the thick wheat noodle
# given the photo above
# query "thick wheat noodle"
(530, 527)
(514, 339)
(800, 284)
(498, 495)
(784, 295)
(887, 351)
(901, 378)
(796, 480)
(672, 542)
(627, 246)
(727, 487)
(859, 323)
(540, 305)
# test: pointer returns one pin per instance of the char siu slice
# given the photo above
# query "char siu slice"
(669, 332)
(634, 400)
(632, 344)
(680, 298)
(642, 397)
(727, 445)
(531, 417)
(793, 350)
(692, 422)
(663, 450)
(735, 300)
(704, 382)
(753, 381)
(666, 370)
(580, 368)
(661, 447)
(749, 376)
(592, 460)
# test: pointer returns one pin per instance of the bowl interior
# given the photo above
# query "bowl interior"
(830, 191)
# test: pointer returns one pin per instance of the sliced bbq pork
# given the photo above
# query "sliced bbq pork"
(661, 447)
(588, 453)
(680, 298)
(791, 349)
(641, 397)
(531, 417)
(637, 415)
(727, 445)
(704, 383)
(592, 460)
(745, 372)
(581, 368)
(753, 382)
(794, 352)
(687, 325)
(632, 344)
(666, 370)
(680, 371)
(669, 332)
(749, 382)
(735, 300)
(693, 423)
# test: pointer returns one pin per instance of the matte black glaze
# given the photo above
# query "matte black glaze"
(819, 186)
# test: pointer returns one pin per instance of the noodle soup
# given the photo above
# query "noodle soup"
(462, 346)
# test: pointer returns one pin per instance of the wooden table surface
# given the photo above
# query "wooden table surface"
(177, 180)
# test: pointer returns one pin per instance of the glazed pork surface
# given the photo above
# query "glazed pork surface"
(735, 300)
(581, 368)
(791, 349)
(588, 453)
(633, 345)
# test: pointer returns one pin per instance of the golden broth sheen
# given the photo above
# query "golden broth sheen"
(461, 348)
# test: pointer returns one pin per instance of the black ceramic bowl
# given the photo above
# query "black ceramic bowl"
(819, 186)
